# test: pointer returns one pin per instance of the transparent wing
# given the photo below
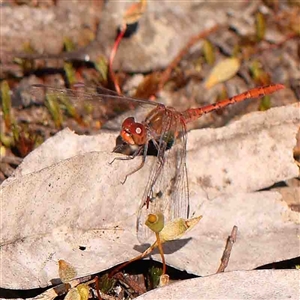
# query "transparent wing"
(167, 186)
(83, 92)
(85, 104)
(180, 189)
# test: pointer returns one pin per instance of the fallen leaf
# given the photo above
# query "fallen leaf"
(134, 12)
(222, 71)
(66, 271)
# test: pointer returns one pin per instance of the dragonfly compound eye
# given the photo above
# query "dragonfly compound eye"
(138, 133)
(128, 131)
(127, 123)
(127, 137)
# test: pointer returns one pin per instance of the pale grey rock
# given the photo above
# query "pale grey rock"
(262, 284)
(74, 197)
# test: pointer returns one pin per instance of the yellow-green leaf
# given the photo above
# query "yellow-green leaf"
(176, 228)
(153, 277)
(155, 222)
(73, 294)
(6, 104)
(102, 67)
(70, 72)
(222, 71)
(7, 141)
(260, 26)
(54, 109)
(106, 283)
(208, 52)
(68, 44)
(83, 291)
(265, 103)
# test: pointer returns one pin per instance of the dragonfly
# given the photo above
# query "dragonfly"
(161, 128)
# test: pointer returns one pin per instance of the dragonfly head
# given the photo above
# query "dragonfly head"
(133, 133)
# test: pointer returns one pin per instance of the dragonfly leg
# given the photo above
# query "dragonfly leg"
(135, 154)
(145, 148)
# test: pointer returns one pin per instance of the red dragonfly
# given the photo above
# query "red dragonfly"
(167, 187)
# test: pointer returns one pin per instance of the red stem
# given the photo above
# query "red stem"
(112, 56)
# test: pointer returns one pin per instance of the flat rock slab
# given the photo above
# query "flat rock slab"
(262, 284)
(60, 201)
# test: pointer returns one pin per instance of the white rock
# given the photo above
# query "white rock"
(263, 284)
(74, 198)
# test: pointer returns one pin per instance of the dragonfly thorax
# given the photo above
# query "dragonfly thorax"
(133, 133)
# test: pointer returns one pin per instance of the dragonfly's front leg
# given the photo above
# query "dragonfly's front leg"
(135, 154)
(145, 149)
(128, 157)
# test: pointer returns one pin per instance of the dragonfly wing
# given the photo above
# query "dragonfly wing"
(87, 93)
(86, 104)
(167, 186)
(180, 190)
(151, 202)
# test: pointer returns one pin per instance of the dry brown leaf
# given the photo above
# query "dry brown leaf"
(134, 12)
(66, 271)
(164, 280)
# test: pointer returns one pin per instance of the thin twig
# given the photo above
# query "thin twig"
(157, 244)
(144, 254)
(227, 251)
(137, 288)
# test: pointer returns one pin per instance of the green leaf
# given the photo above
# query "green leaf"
(106, 283)
(68, 44)
(265, 103)
(154, 274)
(208, 51)
(260, 26)
(6, 104)
(70, 73)
(83, 291)
(155, 222)
(54, 109)
(73, 294)
(102, 67)
(176, 228)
